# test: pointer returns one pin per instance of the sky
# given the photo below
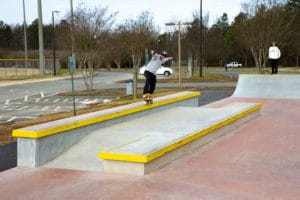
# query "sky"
(163, 11)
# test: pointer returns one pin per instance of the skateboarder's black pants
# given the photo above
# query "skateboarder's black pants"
(150, 82)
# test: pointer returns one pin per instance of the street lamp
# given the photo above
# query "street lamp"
(25, 37)
(41, 39)
(179, 24)
(54, 61)
(201, 41)
(72, 28)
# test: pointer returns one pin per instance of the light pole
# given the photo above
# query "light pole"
(72, 28)
(25, 37)
(41, 39)
(201, 41)
(179, 24)
(53, 25)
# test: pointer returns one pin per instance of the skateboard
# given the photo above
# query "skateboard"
(148, 98)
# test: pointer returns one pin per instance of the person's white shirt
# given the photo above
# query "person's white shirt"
(274, 52)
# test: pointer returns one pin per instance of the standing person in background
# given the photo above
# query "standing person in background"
(274, 55)
(150, 72)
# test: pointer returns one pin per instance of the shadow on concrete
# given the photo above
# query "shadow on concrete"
(8, 156)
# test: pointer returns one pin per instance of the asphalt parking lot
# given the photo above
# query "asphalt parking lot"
(33, 106)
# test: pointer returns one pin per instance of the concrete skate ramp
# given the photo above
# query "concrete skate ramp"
(268, 86)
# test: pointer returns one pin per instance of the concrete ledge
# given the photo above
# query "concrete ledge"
(41, 143)
(136, 158)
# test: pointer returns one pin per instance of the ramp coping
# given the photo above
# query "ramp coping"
(58, 126)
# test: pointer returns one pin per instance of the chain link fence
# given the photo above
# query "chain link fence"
(26, 67)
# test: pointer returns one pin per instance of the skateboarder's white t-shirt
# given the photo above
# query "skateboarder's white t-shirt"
(155, 63)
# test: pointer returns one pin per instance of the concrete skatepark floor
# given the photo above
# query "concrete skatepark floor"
(258, 160)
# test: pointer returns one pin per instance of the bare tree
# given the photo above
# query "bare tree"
(119, 45)
(292, 10)
(140, 33)
(261, 24)
(91, 40)
(191, 38)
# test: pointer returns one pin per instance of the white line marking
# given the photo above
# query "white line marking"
(57, 108)
(7, 101)
(106, 100)
(56, 100)
(26, 98)
(46, 100)
(11, 119)
(89, 102)
(42, 94)
(45, 108)
(66, 100)
(37, 100)
(22, 108)
(9, 108)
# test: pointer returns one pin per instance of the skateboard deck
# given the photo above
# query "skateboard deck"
(148, 98)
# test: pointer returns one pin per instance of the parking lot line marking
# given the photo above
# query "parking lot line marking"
(37, 100)
(7, 101)
(11, 119)
(22, 108)
(46, 100)
(45, 108)
(57, 108)
(9, 108)
(26, 98)
(66, 100)
(56, 100)
(42, 94)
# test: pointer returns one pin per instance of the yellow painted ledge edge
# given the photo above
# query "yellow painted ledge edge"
(85, 122)
(153, 155)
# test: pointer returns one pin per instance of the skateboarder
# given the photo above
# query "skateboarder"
(274, 55)
(150, 72)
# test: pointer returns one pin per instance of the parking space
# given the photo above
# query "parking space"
(28, 107)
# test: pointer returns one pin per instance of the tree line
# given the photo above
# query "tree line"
(100, 42)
